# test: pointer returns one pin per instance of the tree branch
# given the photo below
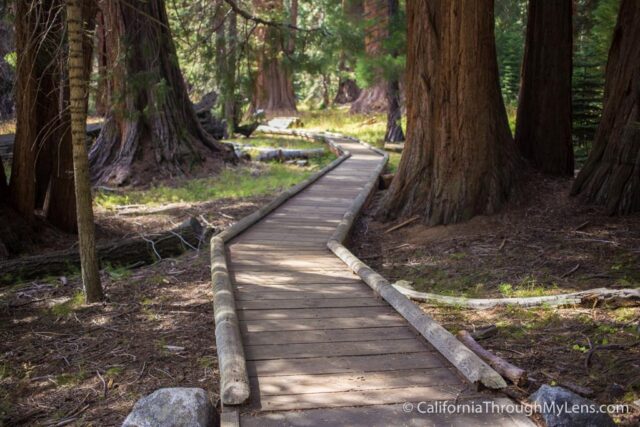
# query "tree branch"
(249, 17)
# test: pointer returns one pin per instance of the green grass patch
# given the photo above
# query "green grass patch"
(66, 308)
(233, 182)
(278, 142)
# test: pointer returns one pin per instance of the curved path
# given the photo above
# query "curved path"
(321, 348)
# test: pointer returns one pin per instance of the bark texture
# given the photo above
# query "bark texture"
(543, 130)
(459, 158)
(273, 85)
(6, 71)
(611, 176)
(78, 77)
(394, 131)
(151, 130)
(42, 173)
(376, 16)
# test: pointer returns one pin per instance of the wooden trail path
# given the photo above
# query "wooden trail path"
(321, 347)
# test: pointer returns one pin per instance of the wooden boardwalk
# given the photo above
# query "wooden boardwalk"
(321, 348)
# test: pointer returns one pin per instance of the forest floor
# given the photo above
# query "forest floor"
(63, 362)
(546, 244)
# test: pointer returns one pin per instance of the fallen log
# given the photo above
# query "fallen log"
(143, 249)
(621, 297)
(282, 154)
(507, 370)
(393, 147)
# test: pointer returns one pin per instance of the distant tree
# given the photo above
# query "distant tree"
(273, 90)
(611, 176)
(348, 90)
(376, 21)
(543, 127)
(78, 78)
(510, 16)
(7, 74)
(151, 129)
(459, 159)
(394, 131)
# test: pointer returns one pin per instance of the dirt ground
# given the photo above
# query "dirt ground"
(545, 244)
(65, 363)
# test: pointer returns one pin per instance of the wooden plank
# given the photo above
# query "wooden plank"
(266, 295)
(355, 398)
(276, 247)
(314, 313)
(358, 381)
(390, 415)
(334, 365)
(343, 288)
(313, 350)
(291, 264)
(310, 303)
(280, 277)
(313, 324)
(330, 335)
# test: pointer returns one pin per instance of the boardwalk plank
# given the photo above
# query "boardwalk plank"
(330, 335)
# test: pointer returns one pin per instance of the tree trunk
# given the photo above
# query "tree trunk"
(543, 130)
(394, 112)
(231, 107)
(7, 74)
(4, 192)
(78, 78)
(611, 176)
(41, 171)
(459, 159)
(103, 92)
(374, 98)
(348, 90)
(273, 86)
(151, 130)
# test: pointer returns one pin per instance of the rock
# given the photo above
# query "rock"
(560, 407)
(302, 163)
(173, 407)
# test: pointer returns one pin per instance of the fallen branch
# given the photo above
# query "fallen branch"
(600, 295)
(145, 249)
(403, 224)
(507, 370)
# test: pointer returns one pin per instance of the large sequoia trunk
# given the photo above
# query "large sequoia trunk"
(151, 130)
(543, 130)
(374, 98)
(42, 177)
(459, 159)
(611, 176)
(273, 86)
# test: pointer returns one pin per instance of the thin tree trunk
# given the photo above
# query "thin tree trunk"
(103, 93)
(151, 130)
(611, 176)
(231, 108)
(394, 112)
(459, 159)
(543, 130)
(78, 108)
(4, 190)
(273, 86)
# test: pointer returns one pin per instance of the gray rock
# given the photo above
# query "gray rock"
(560, 407)
(172, 407)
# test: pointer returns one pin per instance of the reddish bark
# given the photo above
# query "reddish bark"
(543, 131)
(273, 86)
(151, 130)
(611, 176)
(459, 159)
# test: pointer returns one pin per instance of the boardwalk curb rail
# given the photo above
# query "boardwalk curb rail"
(234, 380)
(474, 369)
